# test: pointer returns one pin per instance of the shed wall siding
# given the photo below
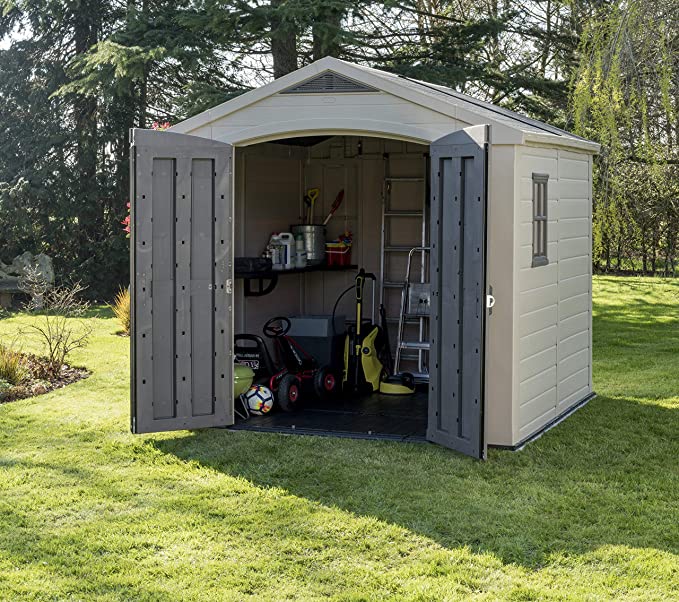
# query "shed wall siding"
(553, 367)
(500, 348)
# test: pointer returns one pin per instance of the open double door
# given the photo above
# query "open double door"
(182, 299)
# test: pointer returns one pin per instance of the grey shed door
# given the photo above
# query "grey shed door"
(181, 290)
(457, 264)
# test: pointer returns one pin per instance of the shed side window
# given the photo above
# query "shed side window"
(540, 219)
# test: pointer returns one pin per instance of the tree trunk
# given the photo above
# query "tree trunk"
(326, 32)
(85, 35)
(607, 245)
(283, 42)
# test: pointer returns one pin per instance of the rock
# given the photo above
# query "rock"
(41, 263)
(38, 388)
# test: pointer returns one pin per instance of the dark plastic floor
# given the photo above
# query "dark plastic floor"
(375, 417)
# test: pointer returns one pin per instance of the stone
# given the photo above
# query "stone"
(40, 262)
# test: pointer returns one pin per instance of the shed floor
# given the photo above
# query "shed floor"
(402, 418)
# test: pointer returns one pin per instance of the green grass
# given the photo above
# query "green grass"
(588, 512)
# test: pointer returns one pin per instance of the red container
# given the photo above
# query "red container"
(337, 254)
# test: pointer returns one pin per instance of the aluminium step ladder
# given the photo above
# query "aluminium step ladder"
(415, 305)
(414, 206)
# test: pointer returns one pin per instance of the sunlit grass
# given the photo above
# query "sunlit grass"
(587, 512)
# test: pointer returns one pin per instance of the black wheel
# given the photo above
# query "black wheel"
(326, 383)
(289, 390)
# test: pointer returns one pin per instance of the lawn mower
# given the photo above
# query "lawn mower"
(298, 370)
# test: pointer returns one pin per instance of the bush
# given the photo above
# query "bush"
(60, 322)
(121, 308)
(12, 367)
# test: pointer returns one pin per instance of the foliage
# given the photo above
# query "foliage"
(80, 75)
(60, 322)
(121, 308)
(12, 368)
(5, 388)
(625, 95)
(587, 512)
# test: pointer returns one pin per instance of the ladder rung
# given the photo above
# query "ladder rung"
(419, 345)
(403, 214)
(392, 284)
(408, 321)
(407, 357)
(398, 249)
(421, 377)
(414, 316)
(403, 179)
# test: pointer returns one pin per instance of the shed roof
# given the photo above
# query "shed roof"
(440, 98)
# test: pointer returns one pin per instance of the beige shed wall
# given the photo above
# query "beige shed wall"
(553, 302)
(500, 420)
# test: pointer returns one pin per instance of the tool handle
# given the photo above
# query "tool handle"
(335, 206)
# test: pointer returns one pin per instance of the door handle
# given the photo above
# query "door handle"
(490, 300)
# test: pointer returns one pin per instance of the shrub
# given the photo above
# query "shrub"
(60, 322)
(12, 367)
(121, 308)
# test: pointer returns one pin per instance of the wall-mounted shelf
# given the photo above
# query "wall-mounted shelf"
(268, 280)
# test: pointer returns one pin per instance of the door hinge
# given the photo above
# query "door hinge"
(229, 286)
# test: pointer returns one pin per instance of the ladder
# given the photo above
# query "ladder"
(415, 305)
(415, 207)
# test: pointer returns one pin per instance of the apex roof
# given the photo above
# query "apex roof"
(330, 75)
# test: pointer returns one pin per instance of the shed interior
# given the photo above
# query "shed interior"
(378, 176)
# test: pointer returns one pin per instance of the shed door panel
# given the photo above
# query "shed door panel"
(458, 210)
(181, 259)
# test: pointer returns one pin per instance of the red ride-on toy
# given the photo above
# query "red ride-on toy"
(299, 369)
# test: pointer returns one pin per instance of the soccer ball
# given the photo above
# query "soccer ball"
(259, 400)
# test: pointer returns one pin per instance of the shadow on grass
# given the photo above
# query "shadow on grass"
(600, 478)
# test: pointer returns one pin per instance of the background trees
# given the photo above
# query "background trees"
(75, 75)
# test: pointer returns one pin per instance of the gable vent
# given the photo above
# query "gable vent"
(329, 83)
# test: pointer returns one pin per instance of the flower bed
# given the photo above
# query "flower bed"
(38, 378)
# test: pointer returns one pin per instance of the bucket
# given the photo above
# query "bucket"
(314, 242)
(338, 253)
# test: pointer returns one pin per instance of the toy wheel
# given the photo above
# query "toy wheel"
(288, 393)
(325, 383)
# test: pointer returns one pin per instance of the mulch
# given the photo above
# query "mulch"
(39, 381)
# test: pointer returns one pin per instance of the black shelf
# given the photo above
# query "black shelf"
(269, 279)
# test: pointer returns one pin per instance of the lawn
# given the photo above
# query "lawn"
(588, 512)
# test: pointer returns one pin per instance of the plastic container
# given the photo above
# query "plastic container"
(300, 259)
(288, 244)
(284, 250)
(317, 336)
(314, 242)
(337, 254)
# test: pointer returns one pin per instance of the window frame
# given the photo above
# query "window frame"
(540, 199)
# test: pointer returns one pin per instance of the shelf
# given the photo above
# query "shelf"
(269, 279)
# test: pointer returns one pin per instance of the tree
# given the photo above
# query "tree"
(625, 95)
